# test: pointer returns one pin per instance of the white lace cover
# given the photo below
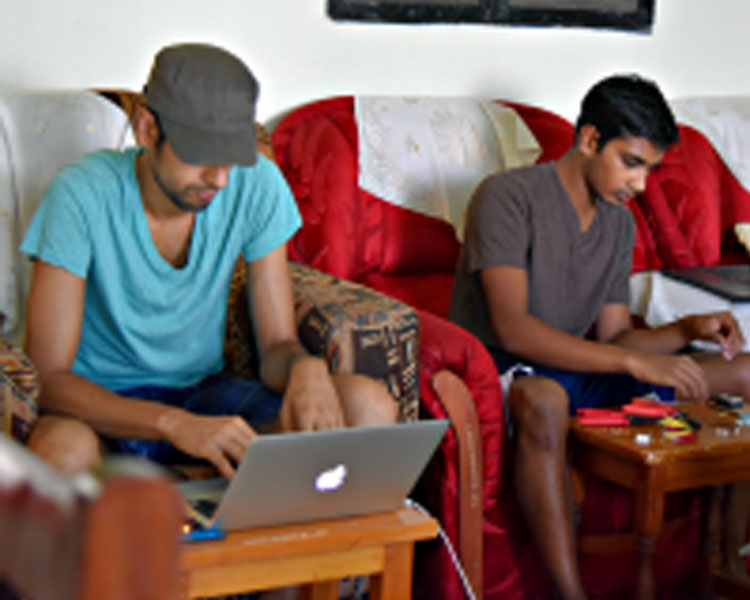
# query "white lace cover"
(725, 121)
(428, 154)
(40, 131)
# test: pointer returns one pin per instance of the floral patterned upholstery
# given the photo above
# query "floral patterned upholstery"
(19, 389)
(357, 330)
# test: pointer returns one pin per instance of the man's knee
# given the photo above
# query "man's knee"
(539, 409)
(742, 375)
(366, 401)
(69, 445)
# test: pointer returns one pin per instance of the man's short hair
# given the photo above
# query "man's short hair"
(628, 105)
(162, 136)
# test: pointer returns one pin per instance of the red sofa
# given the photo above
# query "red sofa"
(353, 234)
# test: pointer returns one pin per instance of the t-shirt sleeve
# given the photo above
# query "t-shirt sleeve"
(275, 217)
(497, 231)
(58, 232)
(619, 293)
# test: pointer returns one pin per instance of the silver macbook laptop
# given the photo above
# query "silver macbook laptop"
(305, 476)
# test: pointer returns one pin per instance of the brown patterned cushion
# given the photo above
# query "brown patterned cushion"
(357, 330)
(19, 388)
(239, 345)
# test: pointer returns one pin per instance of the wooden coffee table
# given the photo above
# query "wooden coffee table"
(719, 455)
(315, 555)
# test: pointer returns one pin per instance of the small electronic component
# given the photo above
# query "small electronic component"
(729, 401)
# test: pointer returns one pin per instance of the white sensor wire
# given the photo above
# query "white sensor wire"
(454, 557)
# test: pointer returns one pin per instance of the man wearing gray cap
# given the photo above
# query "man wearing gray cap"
(134, 252)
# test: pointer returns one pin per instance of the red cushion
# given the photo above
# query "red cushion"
(554, 134)
(686, 214)
(430, 292)
(417, 244)
(315, 147)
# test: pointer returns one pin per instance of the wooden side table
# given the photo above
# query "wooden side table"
(315, 555)
(720, 455)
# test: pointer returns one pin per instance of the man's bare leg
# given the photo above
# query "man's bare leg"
(365, 401)
(539, 409)
(736, 526)
(69, 445)
(732, 377)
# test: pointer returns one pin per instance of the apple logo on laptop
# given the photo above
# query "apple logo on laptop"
(331, 479)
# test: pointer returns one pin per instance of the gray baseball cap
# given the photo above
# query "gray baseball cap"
(205, 99)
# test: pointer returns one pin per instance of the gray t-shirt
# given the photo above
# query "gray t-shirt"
(524, 218)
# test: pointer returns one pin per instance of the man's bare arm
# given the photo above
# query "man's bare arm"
(721, 328)
(310, 399)
(54, 321)
(520, 333)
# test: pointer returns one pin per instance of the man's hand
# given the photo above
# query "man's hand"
(680, 372)
(720, 327)
(220, 440)
(310, 401)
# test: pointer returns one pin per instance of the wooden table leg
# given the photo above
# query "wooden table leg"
(710, 551)
(394, 583)
(320, 590)
(649, 517)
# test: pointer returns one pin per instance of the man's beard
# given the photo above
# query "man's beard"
(175, 197)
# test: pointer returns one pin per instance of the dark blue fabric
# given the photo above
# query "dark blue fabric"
(587, 390)
(220, 394)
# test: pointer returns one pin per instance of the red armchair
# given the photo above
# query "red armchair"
(355, 235)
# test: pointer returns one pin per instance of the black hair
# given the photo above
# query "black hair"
(162, 136)
(628, 105)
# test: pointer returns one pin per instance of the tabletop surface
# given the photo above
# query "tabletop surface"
(720, 434)
(401, 525)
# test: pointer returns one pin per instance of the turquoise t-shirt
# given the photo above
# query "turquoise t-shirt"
(146, 322)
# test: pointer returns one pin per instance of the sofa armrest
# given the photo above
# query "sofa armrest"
(19, 390)
(461, 485)
(356, 329)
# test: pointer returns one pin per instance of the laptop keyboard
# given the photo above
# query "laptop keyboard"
(205, 507)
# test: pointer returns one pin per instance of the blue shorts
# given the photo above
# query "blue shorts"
(219, 394)
(587, 390)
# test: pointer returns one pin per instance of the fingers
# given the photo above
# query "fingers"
(232, 442)
(689, 379)
(721, 328)
(220, 440)
(319, 417)
(220, 462)
(734, 340)
(314, 406)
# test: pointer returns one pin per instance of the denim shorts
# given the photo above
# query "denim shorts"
(587, 390)
(219, 394)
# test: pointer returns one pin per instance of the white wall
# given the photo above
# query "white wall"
(298, 53)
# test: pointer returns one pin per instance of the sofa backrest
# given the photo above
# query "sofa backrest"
(352, 232)
(40, 131)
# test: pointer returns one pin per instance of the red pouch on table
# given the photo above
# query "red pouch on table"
(643, 407)
(607, 417)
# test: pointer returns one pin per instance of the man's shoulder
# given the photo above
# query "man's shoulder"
(259, 182)
(530, 173)
(92, 177)
(523, 183)
(106, 162)
(263, 168)
(617, 213)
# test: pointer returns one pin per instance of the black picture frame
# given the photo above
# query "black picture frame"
(631, 15)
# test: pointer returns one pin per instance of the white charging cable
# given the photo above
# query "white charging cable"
(443, 536)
